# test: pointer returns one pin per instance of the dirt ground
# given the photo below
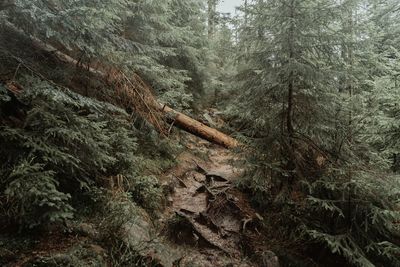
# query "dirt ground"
(207, 214)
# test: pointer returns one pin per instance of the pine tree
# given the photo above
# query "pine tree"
(57, 146)
(305, 83)
(380, 121)
(212, 16)
(290, 74)
(223, 65)
(151, 38)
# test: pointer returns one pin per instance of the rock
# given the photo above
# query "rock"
(170, 201)
(85, 229)
(137, 233)
(168, 188)
(269, 259)
(97, 250)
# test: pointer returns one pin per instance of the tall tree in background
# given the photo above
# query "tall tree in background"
(302, 108)
(290, 74)
(224, 58)
(381, 118)
(192, 53)
(161, 40)
(212, 16)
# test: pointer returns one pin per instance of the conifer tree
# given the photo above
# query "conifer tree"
(380, 120)
(291, 73)
(305, 84)
(212, 16)
(152, 38)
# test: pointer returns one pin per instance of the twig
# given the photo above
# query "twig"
(16, 71)
(34, 72)
(170, 128)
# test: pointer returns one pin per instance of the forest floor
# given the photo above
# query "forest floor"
(206, 221)
(208, 215)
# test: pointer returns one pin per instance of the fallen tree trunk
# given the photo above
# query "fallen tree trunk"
(140, 92)
(199, 129)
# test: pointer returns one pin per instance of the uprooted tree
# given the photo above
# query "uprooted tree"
(131, 92)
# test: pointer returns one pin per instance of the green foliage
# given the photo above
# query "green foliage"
(33, 198)
(4, 97)
(146, 191)
(318, 83)
(163, 41)
(352, 213)
(379, 120)
(359, 217)
(65, 145)
(81, 254)
(223, 62)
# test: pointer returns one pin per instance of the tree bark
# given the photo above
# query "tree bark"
(199, 129)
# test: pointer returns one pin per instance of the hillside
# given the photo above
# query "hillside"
(166, 133)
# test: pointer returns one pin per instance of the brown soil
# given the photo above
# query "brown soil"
(207, 215)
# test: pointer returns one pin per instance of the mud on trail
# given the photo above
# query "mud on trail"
(207, 216)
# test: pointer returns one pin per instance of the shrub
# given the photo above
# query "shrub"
(62, 146)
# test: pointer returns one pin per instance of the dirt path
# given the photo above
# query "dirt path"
(207, 215)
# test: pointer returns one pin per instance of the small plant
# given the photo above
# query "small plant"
(33, 198)
(147, 192)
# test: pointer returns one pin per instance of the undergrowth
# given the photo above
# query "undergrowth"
(58, 146)
(346, 214)
(118, 213)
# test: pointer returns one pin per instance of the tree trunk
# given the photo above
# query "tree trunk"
(212, 13)
(289, 116)
(175, 118)
(199, 129)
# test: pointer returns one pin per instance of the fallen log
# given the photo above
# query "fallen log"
(140, 95)
(199, 129)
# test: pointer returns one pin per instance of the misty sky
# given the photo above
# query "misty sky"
(228, 6)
